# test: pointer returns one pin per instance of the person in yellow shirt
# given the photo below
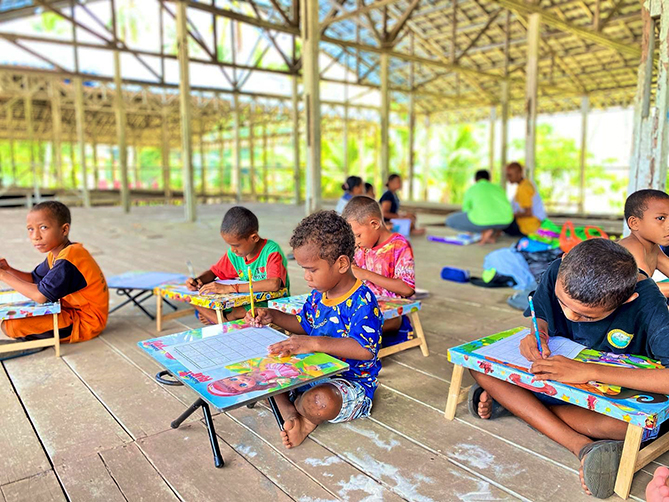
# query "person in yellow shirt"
(528, 208)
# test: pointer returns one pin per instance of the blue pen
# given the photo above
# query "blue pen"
(536, 326)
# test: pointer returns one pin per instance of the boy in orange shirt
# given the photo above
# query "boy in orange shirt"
(69, 274)
(383, 260)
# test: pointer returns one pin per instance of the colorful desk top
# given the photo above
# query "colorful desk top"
(230, 385)
(391, 307)
(14, 305)
(144, 280)
(644, 409)
(180, 293)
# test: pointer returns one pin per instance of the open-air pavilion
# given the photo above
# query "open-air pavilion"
(152, 117)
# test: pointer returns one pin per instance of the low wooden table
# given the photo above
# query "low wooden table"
(139, 286)
(217, 302)
(644, 412)
(199, 358)
(391, 309)
(14, 305)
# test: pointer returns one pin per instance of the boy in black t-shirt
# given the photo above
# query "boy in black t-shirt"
(594, 296)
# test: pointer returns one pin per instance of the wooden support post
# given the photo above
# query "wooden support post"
(221, 161)
(312, 102)
(454, 392)
(385, 118)
(96, 168)
(28, 103)
(531, 93)
(648, 165)
(73, 163)
(297, 177)
(412, 145)
(203, 161)
(57, 133)
(628, 459)
(81, 126)
(252, 167)
(361, 152)
(237, 157)
(504, 132)
(426, 161)
(135, 165)
(165, 151)
(265, 161)
(12, 159)
(121, 123)
(185, 107)
(491, 140)
(585, 108)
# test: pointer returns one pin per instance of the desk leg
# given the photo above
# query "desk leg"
(56, 335)
(209, 422)
(454, 392)
(420, 333)
(276, 412)
(219, 316)
(159, 313)
(628, 460)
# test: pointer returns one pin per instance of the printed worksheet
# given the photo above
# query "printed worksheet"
(12, 297)
(507, 350)
(224, 349)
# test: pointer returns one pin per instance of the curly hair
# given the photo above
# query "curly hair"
(329, 232)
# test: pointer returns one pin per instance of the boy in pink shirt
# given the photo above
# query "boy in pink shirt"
(383, 260)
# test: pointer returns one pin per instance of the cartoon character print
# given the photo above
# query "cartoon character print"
(544, 388)
(485, 366)
(272, 376)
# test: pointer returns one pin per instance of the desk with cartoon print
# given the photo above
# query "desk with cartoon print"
(14, 305)
(391, 309)
(217, 302)
(228, 367)
(643, 411)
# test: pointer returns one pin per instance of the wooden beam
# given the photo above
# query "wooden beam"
(165, 150)
(385, 118)
(491, 140)
(81, 140)
(531, 93)
(358, 12)
(28, 110)
(295, 137)
(312, 103)
(527, 9)
(252, 167)
(185, 107)
(399, 24)
(237, 151)
(426, 158)
(57, 132)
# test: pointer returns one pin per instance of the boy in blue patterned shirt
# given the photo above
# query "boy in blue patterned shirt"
(341, 318)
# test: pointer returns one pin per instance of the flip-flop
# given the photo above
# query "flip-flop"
(600, 467)
(474, 399)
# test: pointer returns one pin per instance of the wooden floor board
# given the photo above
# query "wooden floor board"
(42, 487)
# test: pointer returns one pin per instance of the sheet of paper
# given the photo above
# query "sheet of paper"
(230, 282)
(12, 297)
(508, 349)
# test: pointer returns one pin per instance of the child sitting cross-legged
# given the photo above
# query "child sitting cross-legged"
(268, 264)
(593, 297)
(69, 274)
(340, 317)
(383, 260)
(647, 216)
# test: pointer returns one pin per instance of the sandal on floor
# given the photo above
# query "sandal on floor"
(600, 467)
(473, 400)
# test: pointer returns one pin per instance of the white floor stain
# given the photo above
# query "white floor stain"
(478, 458)
(386, 445)
(360, 483)
(406, 487)
(246, 451)
(317, 462)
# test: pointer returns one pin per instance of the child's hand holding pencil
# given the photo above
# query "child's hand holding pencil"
(262, 317)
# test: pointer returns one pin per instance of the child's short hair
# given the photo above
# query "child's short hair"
(361, 208)
(482, 175)
(58, 211)
(637, 203)
(599, 273)
(240, 222)
(329, 232)
(351, 183)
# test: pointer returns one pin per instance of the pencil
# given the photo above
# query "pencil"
(253, 311)
(191, 271)
(534, 323)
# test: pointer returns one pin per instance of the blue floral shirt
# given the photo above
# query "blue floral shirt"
(355, 315)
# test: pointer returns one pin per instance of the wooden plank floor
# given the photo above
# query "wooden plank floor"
(94, 425)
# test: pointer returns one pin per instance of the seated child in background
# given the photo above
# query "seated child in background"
(340, 318)
(369, 190)
(69, 274)
(383, 260)
(647, 215)
(352, 187)
(593, 297)
(239, 230)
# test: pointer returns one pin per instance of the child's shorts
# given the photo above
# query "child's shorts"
(354, 401)
(40, 327)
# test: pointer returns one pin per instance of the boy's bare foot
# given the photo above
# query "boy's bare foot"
(485, 406)
(487, 237)
(296, 430)
(657, 490)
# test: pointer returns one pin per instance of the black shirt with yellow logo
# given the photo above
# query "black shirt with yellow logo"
(640, 327)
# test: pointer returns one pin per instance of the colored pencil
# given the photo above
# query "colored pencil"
(253, 311)
(534, 323)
